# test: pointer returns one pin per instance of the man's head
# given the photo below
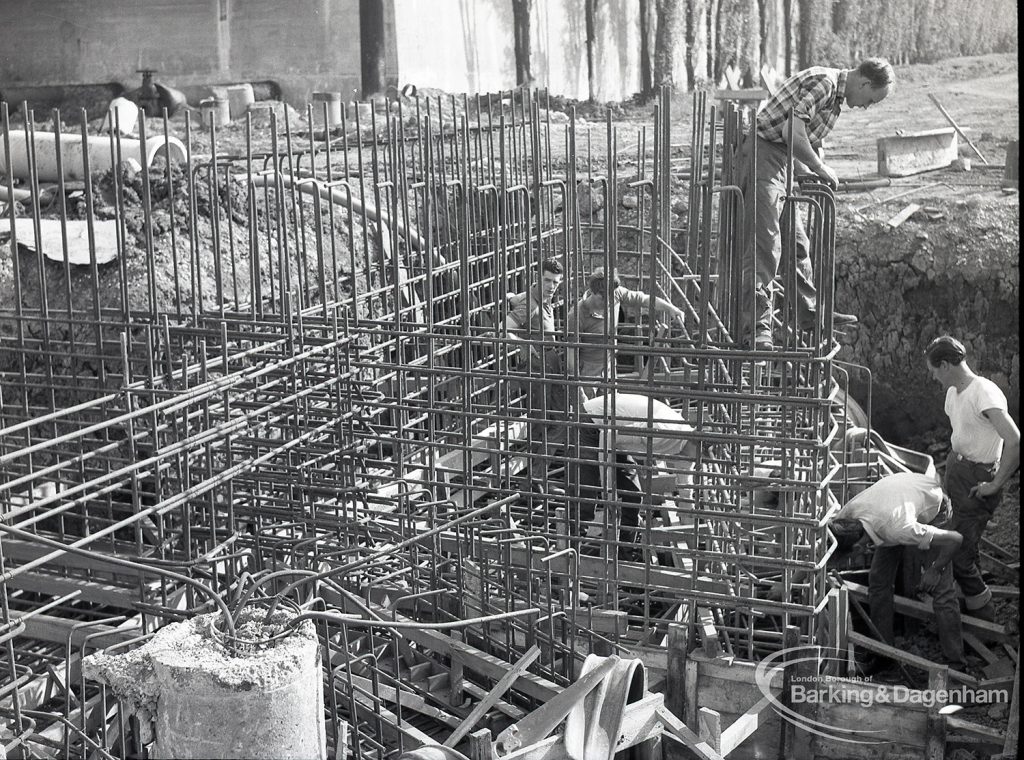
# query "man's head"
(550, 277)
(869, 83)
(848, 534)
(945, 356)
(599, 284)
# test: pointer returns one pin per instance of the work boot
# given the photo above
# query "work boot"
(762, 339)
(809, 318)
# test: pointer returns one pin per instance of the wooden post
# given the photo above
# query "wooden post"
(787, 733)
(480, 745)
(676, 677)
(709, 728)
(935, 738)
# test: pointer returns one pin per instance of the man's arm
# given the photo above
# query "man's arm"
(514, 333)
(803, 152)
(947, 542)
(1010, 459)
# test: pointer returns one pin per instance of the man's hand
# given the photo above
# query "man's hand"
(929, 580)
(982, 490)
(828, 176)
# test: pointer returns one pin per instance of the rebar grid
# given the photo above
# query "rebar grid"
(297, 365)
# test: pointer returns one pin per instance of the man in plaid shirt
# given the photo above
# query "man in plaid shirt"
(815, 98)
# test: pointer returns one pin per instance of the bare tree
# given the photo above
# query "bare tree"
(697, 42)
(666, 42)
(521, 38)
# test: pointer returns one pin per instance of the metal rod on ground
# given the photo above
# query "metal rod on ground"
(955, 126)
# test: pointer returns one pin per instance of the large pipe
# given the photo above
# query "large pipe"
(72, 149)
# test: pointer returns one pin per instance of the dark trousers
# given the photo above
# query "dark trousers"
(546, 402)
(760, 266)
(586, 484)
(881, 583)
(970, 518)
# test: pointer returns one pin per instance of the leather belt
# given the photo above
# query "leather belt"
(962, 458)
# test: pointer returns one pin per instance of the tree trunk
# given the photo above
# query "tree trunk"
(751, 64)
(714, 35)
(646, 79)
(666, 41)
(521, 38)
(787, 22)
(762, 15)
(697, 42)
(591, 34)
(806, 8)
(371, 41)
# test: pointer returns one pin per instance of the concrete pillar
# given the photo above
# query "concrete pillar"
(202, 702)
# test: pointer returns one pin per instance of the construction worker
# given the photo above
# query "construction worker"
(814, 97)
(597, 320)
(900, 510)
(985, 452)
(618, 431)
(530, 324)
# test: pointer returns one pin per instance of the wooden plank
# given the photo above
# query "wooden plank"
(634, 573)
(504, 684)
(709, 728)
(96, 592)
(975, 730)
(409, 699)
(923, 611)
(909, 659)
(935, 734)
(1010, 743)
(908, 211)
(916, 152)
(744, 726)
(56, 629)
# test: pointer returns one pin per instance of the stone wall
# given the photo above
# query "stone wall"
(958, 275)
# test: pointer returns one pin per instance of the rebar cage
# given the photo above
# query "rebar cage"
(297, 362)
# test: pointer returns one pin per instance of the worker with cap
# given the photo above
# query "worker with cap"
(985, 453)
(901, 510)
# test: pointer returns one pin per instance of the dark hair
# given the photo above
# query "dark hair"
(945, 348)
(878, 71)
(553, 265)
(597, 282)
(847, 533)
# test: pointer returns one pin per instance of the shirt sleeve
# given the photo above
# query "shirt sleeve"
(990, 398)
(634, 299)
(813, 95)
(519, 313)
(910, 534)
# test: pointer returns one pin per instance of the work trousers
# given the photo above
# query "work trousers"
(585, 481)
(970, 518)
(546, 400)
(760, 267)
(945, 605)
(596, 372)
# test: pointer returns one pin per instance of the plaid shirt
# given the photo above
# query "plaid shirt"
(815, 96)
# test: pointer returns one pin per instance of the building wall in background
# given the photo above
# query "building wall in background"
(303, 45)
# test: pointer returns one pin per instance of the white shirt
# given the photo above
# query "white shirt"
(974, 436)
(896, 510)
(654, 422)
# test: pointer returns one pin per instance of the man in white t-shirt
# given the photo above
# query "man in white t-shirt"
(906, 509)
(985, 453)
(622, 430)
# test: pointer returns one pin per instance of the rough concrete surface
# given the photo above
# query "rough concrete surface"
(204, 702)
